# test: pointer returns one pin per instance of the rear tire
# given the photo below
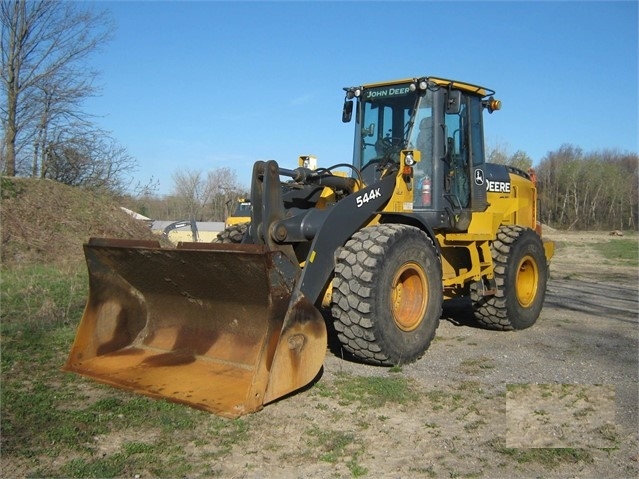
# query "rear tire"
(232, 234)
(387, 294)
(521, 275)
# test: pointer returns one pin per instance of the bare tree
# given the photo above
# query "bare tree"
(93, 161)
(205, 198)
(227, 189)
(193, 191)
(59, 118)
(45, 46)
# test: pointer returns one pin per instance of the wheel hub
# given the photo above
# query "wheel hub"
(527, 280)
(409, 296)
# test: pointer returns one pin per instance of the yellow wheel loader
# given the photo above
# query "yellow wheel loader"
(241, 213)
(236, 223)
(417, 218)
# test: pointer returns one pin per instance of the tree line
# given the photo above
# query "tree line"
(581, 190)
(589, 190)
(196, 195)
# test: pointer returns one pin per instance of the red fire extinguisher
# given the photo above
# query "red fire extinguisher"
(426, 198)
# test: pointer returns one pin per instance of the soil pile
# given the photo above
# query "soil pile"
(46, 222)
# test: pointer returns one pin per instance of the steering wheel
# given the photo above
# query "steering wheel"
(389, 145)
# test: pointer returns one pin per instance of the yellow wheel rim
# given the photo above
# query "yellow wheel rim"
(527, 281)
(409, 296)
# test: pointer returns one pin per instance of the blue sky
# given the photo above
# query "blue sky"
(208, 84)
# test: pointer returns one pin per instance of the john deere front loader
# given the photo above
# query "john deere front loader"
(417, 218)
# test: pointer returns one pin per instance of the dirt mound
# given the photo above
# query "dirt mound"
(44, 221)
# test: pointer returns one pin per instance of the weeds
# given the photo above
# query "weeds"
(337, 446)
(548, 457)
(375, 391)
(475, 365)
(110, 466)
(609, 433)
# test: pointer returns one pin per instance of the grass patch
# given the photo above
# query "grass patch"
(42, 296)
(49, 414)
(37, 418)
(111, 466)
(463, 397)
(161, 459)
(331, 445)
(337, 446)
(476, 365)
(623, 251)
(548, 457)
(373, 391)
(227, 434)
(518, 387)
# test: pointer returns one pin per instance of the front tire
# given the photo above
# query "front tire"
(521, 275)
(387, 294)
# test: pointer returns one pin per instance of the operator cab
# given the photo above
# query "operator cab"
(440, 118)
(243, 208)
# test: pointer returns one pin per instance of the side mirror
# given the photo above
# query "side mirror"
(453, 102)
(370, 131)
(347, 112)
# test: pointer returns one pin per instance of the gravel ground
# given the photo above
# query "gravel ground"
(570, 381)
(587, 334)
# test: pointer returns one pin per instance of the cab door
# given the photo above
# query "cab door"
(464, 185)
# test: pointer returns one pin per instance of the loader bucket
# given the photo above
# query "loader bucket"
(218, 327)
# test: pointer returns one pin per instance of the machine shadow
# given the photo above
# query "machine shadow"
(459, 312)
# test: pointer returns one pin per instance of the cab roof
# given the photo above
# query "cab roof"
(467, 87)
